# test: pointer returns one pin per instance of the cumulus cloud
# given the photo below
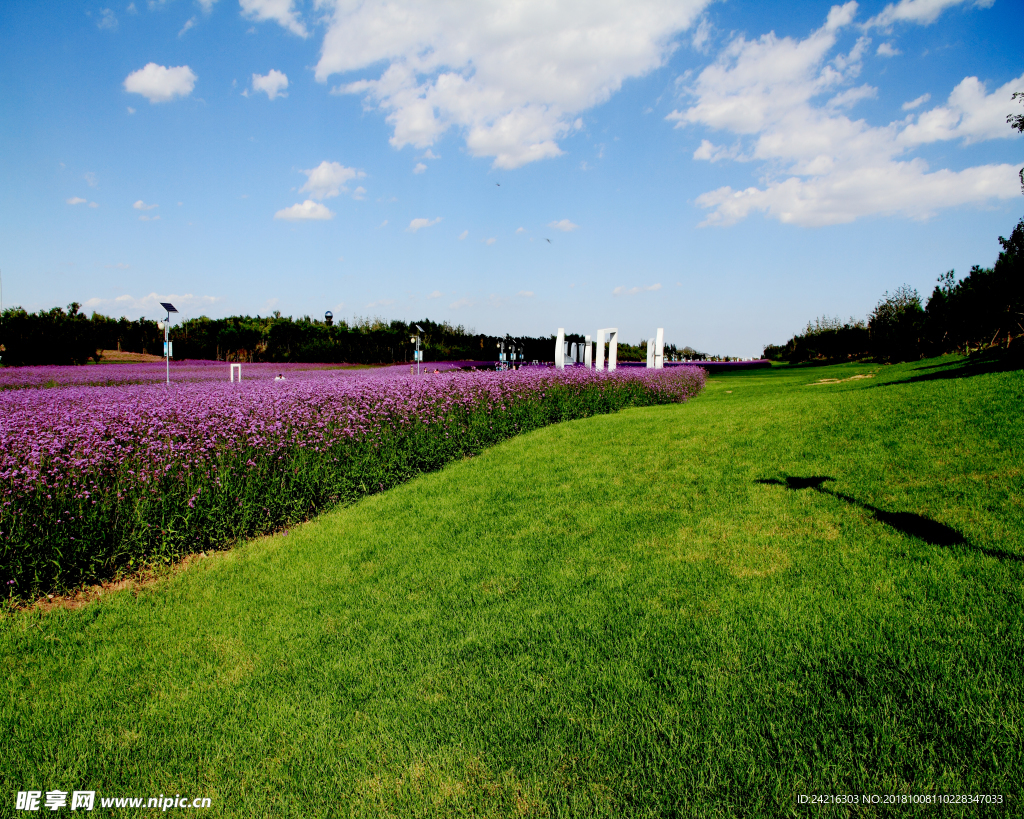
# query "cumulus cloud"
(527, 294)
(305, 211)
(280, 11)
(564, 225)
(923, 12)
(158, 83)
(512, 78)
(420, 168)
(416, 224)
(520, 230)
(435, 295)
(329, 179)
(76, 200)
(632, 291)
(782, 100)
(490, 241)
(145, 218)
(191, 21)
(90, 179)
(887, 50)
(969, 113)
(463, 302)
(359, 194)
(140, 205)
(273, 83)
(463, 235)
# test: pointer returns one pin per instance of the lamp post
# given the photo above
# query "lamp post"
(416, 340)
(329, 318)
(170, 308)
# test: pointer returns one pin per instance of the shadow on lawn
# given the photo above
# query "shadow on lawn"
(980, 365)
(919, 526)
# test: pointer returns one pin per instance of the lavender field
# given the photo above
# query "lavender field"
(100, 480)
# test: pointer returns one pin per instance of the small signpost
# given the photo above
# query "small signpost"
(233, 368)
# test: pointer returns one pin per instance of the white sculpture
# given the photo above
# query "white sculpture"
(560, 349)
(588, 354)
(239, 367)
(613, 348)
(656, 351)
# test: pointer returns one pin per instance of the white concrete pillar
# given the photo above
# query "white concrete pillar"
(613, 348)
(560, 349)
(588, 355)
(650, 354)
(659, 349)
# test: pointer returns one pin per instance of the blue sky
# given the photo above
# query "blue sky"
(725, 170)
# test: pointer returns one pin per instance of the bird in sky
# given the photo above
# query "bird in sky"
(548, 241)
(498, 184)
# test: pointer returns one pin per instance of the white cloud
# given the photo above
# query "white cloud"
(702, 35)
(90, 179)
(513, 78)
(463, 302)
(490, 241)
(916, 103)
(273, 83)
(130, 305)
(359, 194)
(821, 167)
(306, 211)
(520, 230)
(416, 224)
(429, 154)
(93, 205)
(158, 83)
(131, 9)
(463, 235)
(280, 11)
(632, 291)
(969, 113)
(328, 179)
(435, 295)
(382, 224)
(564, 225)
(76, 200)
(145, 218)
(380, 303)
(108, 19)
(191, 21)
(923, 12)
(887, 50)
(528, 294)
(140, 205)
(131, 110)
(420, 168)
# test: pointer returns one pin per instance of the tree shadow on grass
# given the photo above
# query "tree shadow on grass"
(909, 523)
(980, 365)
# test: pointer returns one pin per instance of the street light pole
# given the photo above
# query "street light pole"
(167, 344)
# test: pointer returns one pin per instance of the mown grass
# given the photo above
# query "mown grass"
(664, 612)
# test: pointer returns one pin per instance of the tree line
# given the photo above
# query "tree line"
(68, 336)
(985, 309)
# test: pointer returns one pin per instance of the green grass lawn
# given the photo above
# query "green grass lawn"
(783, 587)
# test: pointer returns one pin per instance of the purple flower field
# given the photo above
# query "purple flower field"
(95, 481)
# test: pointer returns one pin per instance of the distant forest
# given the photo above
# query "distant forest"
(59, 336)
(983, 310)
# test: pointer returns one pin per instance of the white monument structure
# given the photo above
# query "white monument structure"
(237, 367)
(613, 347)
(656, 351)
(560, 349)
